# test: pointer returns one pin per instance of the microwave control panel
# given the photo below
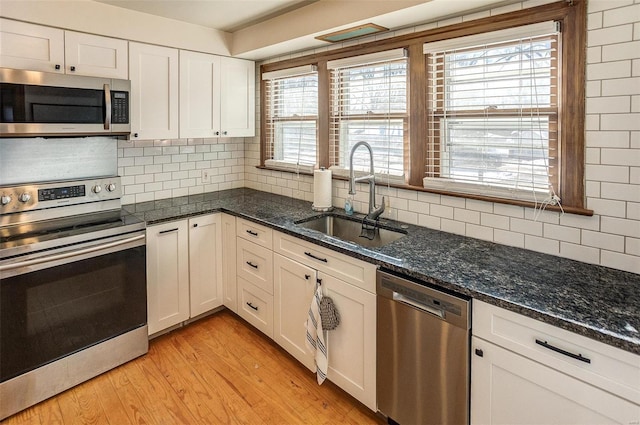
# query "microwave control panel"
(119, 107)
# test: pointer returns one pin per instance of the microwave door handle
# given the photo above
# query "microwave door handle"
(107, 102)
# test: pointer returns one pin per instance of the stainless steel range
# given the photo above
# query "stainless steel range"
(72, 287)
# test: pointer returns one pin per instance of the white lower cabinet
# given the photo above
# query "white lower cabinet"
(351, 347)
(184, 270)
(205, 263)
(294, 286)
(167, 275)
(517, 378)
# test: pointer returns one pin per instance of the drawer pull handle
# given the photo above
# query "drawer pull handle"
(307, 276)
(161, 232)
(252, 306)
(545, 344)
(255, 266)
(252, 233)
(308, 254)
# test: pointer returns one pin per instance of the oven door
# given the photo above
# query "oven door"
(57, 303)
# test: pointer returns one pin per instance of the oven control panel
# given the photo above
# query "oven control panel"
(40, 196)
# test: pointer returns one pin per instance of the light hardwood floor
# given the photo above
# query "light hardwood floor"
(217, 370)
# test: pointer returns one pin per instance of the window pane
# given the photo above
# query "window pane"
(502, 77)
(386, 139)
(296, 96)
(295, 142)
(506, 152)
(377, 89)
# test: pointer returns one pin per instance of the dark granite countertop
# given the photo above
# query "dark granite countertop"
(598, 302)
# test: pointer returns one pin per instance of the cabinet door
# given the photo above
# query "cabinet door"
(95, 56)
(199, 95)
(229, 291)
(154, 91)
(167, 275)
(507, 388)
(352, 345)
(237, 97)
(205, 263)
(29, 46)
(294, 288)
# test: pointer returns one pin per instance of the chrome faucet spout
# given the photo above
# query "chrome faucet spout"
(374, 212)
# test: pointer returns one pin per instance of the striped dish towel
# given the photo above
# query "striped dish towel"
(315, 336)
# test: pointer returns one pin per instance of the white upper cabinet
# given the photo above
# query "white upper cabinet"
(216, 96)
(29, 46)
(95, 56)
(237, 97)
(154, 91)
(40, 48)
(199, 95)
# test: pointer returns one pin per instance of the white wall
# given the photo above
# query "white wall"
(612, 236)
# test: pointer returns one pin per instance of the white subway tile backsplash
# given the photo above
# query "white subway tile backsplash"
(621, 192)
(607, 70)
(607, 207)
(608, 173)
(580, 252)
(561, 233)
(601, 5)
(618, 34)
(620, 121)
(621, 156)
(479, 232)
(548, 246)
(621, 15)
(527, 227)
(620, 51)
(619, 226)
(607, 139)
(620, 261)
(621, 86)
(506, 237)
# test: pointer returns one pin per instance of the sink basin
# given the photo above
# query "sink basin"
(352, 230)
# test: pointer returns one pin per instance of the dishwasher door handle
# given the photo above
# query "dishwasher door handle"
(427, 309)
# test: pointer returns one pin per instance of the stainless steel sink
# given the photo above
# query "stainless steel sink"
(370, 235)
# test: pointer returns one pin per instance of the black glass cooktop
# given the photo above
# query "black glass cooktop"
(60, 228)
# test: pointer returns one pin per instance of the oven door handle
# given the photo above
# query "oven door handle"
(71, 254)
(107, 103)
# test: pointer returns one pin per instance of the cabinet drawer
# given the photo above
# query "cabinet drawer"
(255, 306)
(602, 365)
(255, 233)
(254, 263)
(356, 272)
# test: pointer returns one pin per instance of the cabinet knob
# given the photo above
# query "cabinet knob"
(307, 276)
(72, 68)
(195, 224)
(217, 133)
(479, 352)
(57, 66)
(224, 133)
(135, 134)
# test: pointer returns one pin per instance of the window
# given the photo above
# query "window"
(292, 117)
(490, 109)
(493, 113)
(369, 103)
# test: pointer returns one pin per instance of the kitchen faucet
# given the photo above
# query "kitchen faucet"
(374, 212)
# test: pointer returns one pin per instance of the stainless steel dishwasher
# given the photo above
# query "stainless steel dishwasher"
(423, 344)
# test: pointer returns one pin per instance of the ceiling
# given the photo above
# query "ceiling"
(259, 29)
(223, 15)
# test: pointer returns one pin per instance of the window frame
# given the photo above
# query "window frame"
(572, 17)
(436, 115)
(338, 116)
(271, 123)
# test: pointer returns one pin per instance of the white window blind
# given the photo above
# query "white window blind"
(369, 103)
(493, 113)
(291, 117)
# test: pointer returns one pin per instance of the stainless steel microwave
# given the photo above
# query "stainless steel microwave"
(44, 104)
